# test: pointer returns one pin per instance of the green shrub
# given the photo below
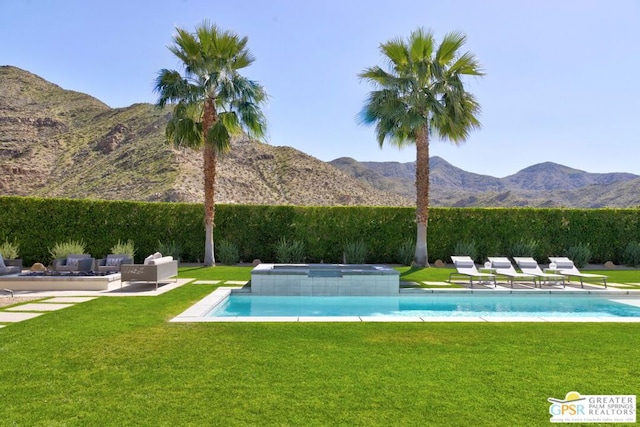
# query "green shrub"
(171, 248)
(466, 248)
(38, 223)
(407, 252)
(9, 250)
(579, 254)
(631, 254)
(355, 252)
(64, 249)
(524, 248)
(127, 248)
(289, 251)
(227, 252)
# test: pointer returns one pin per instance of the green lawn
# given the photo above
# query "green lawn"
(117, 361)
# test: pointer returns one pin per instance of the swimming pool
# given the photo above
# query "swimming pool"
(237, 305)
(229, 305)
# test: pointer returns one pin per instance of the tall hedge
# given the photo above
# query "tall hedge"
(37, 224)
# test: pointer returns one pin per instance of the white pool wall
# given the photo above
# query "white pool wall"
(325, 280)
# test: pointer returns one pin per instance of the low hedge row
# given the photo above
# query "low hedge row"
(38, 223)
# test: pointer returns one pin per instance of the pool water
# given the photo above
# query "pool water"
(424, 306)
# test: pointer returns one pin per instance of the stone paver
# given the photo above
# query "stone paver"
(68, 299)
(206, 282)
(39, 307)
(2, 326)
(235, 282)
(6, 317)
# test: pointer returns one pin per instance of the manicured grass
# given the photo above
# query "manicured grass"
(117, 361)
(221, 272)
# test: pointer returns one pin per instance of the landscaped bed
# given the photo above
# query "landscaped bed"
(117, 361)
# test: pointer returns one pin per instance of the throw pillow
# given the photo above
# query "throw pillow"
(148, 259)
(113, 261)
(72, 262)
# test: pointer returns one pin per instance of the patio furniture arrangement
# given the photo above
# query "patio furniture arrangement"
(530, 266)
(74, 262)
(466, 267)
(567, 268)
(113, 262)
(503, 267)
(5, 269)
(156, 269)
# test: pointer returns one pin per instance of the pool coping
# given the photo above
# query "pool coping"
(196, 313)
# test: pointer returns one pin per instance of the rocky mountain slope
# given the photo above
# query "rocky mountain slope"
(59, 143)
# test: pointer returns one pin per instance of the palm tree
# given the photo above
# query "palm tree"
(211, 102)
(420, 96)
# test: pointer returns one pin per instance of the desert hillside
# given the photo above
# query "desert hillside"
(59, 143)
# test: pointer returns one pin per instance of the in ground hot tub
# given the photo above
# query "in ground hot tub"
(324, 279)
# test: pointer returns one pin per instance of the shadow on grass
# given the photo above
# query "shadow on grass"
(412, 270)
(187, 269)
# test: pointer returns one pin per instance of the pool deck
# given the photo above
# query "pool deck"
(196, 313)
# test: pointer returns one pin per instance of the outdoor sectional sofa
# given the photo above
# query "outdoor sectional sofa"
(74, 262)
(156, 269)
(113, 262)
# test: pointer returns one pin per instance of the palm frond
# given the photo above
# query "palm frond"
(184, 128)
(449, 47)
(421, 43)
(172, 87)
(466, 64)
(396, 52)
(219, 137)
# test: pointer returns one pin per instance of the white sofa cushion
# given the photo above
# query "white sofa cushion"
(163, 260)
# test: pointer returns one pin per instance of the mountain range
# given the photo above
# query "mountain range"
(542, 185)
(60, 143)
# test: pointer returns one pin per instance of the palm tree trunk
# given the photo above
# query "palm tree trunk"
(209, 153)
(422, 197)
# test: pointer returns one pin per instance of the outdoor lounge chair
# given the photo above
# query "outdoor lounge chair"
(566, 267)
(530, 266)
(467, 268)
(155, 269)
(503, 267)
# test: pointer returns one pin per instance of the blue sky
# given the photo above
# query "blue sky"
(561, 81)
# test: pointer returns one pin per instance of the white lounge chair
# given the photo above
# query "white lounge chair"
(467, 268)
(503, 267)
(566, 267)
(529, 265)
